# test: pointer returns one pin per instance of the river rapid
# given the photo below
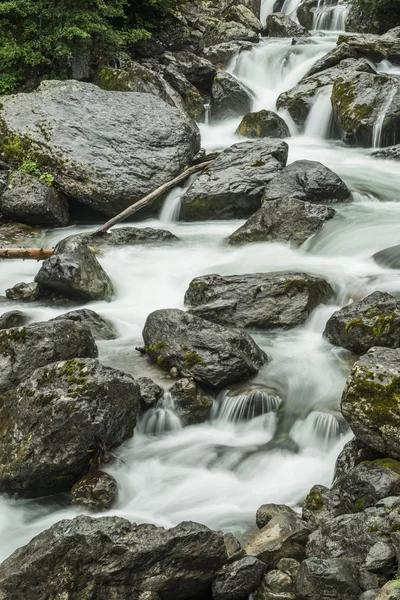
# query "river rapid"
(218, 473)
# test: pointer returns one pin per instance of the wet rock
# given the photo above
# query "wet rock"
(264, 123)
(125, 149)
(239, 579)
(389, 258)
(244, 15)
(310, 181)
(259, 300)
(96, 491)
(150, 392)
(26, 292)
(74, 271)
(209, 353)
(13, 318)
(283, 220)
(29, 200)
(220, 54)
(129, 236)
(276, 585)
(333, 58)
(176, 563)
(232, 187)
(15, 234)
(299, 100)
(327, 579)
(58, 420)
(266, 512)
(192, 404)
(353, 453)
(24, 349)
(229, 97)
(305, 13)
(390, 591)
(99, 327)
(370, 401)
(358, 100)
(285, 536)
(373, 321)
(280, 25)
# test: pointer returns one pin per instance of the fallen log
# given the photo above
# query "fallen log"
(24, 253)
(147, 200)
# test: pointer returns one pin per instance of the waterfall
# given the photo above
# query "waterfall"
(378, 126)
(319, 429)
(320, 116)
(171, 207)
(267, 8)
(246, 406)
(207, 107)
(160, 419)
(330, 17)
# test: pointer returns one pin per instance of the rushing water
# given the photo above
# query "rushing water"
(270, 440)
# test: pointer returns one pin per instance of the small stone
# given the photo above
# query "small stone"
(174, 373)
(13, 318)
(27, 292)
(96, 491)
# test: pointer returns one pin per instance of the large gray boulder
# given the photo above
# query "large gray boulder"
(99, 327)
(229, 97)
(239, 579)
(232, 187)
(283, 220)
(310, 181)
(29, 200)
(280, 25)
(110, 557)
(328, 579)
(74, 271)
(373, 321)
(105, 149)
(264, 123)
(389, 257)
(24, 349)
(59, 420)
(259, 300)
(371, 402)
(209, 353)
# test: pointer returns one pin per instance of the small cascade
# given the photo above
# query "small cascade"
(377, 130)
(320, 429)
(330, 17)
(207, 107)
(160, 419)
(320, 116)
(171, 208)
(267, 8)
(244, 407)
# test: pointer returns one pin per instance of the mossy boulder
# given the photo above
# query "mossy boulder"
(96, 491)
(61, 420)
(264, 123)
(390, 591)
(371, 400)
(373, 321)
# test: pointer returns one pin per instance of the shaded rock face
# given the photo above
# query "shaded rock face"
(280, 25)
(150, 392)
(327, 579)
(129, 236)
(232, 187)
(128, 144)
(373, 321)
(24, 349)
(283, 220)
(74, 271)
(99, 327)
(96, 491)
(29, 200)
(389, 258)
(264, 123)
(310, 181)
(267, 512)
(192, 404)
(361, 20)
(370, 401)
(176, 563)
(353, 453)
(260, 300)
(59, 419)
(209, 353)
(199, 71)
(238, 580)
(13, 318)
(357, 101)
(229, 97)
(305, 13)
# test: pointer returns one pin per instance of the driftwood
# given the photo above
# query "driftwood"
(33, 253)
(147, 200)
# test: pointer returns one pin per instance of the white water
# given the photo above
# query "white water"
(320, 115)
(377, 131)
(219, 472)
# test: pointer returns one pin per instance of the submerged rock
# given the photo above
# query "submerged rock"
(229, 97)
(29, 200)
(15, 234)
(232, 187)
(371, 402)
(137, 561)
(238, 580)
(264, 123)
(74, 271)
(58, 420)
(24, 349)
(389, 258)
(99, 327)
(310, 181)
(283, 220)
(373, 321)
(259, 300)
(209, 353)
(280, 25)
(192, 404)
(96, 491)
(113, 147)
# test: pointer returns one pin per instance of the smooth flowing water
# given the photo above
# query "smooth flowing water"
(274, 438)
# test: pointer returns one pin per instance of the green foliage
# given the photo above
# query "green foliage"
(40, 37)
(31, 167)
